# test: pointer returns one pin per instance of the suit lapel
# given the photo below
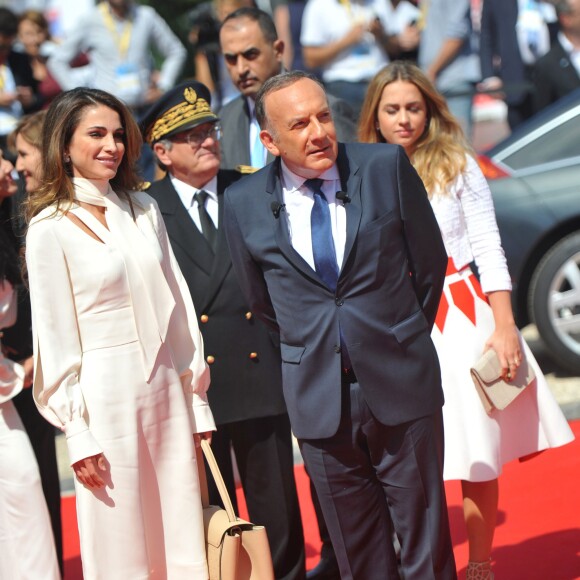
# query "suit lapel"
(182, 231)
(281, 232)
(567, 69)
(350, 182)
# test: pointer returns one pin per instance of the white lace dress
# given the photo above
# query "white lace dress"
(478, 445)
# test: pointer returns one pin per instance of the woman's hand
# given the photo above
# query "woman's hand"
(197, 437)
(87, 471)
(505, 339)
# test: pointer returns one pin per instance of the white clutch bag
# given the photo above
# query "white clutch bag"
(494, 392)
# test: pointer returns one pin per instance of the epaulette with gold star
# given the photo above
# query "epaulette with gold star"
(246, 169)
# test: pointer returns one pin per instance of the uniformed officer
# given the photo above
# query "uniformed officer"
(244, 358)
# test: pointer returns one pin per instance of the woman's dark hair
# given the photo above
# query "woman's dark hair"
(62, 119)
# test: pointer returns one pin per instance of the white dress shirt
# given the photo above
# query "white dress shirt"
(258, 152)
(149, 33)
(187, 193)
(299, 201)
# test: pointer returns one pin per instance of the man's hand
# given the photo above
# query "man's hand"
(152, 94)
(409, 38)
(25, 96)
(7, 98)
(492, 86)
(354, 35)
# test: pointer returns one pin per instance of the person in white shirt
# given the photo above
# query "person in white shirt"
(404, 108)
(349, 41)
(120, 36)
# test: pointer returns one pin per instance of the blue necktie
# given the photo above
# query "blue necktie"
(322, 241)
(323, 249)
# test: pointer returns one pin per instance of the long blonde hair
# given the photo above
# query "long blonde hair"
(440, 153)
(62, 119)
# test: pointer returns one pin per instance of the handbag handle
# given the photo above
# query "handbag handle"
(217, 476)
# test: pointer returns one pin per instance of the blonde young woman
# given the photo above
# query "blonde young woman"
(119, 363)
(403, 107)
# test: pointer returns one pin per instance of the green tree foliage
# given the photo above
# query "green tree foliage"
(175, 13)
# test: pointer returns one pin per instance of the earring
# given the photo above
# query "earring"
(67, 158)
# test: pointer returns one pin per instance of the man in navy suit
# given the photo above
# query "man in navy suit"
(337, 248)
(502, 63)
(557, 73)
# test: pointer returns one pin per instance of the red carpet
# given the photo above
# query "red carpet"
(538, 531)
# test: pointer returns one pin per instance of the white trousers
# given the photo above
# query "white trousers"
(27, 549)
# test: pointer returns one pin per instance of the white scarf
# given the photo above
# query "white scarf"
(152, 300)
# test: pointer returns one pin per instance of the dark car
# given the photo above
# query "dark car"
(534, 176)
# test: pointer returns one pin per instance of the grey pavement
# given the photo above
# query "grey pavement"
(564, 386)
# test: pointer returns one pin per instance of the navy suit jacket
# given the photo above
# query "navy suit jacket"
(386, 300)
(554, 76)
(499, 39)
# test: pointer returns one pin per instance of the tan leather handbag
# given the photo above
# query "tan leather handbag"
(494, 392)
(235, 549)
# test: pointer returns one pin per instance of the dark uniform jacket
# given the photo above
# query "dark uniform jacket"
(244, 359)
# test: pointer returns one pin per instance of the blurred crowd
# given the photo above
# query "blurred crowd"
(522, 51)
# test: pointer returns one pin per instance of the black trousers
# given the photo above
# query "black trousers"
(263, 450)
(369, 478)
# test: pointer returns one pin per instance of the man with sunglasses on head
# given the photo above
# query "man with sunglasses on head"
(244, 359)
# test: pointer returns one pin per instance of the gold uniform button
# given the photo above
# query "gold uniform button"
(253, 355)
(210, 359)
(204, 318)
(248, 315)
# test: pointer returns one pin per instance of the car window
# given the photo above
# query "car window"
(562, 142)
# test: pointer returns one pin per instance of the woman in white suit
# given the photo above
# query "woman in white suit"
(119, 363)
